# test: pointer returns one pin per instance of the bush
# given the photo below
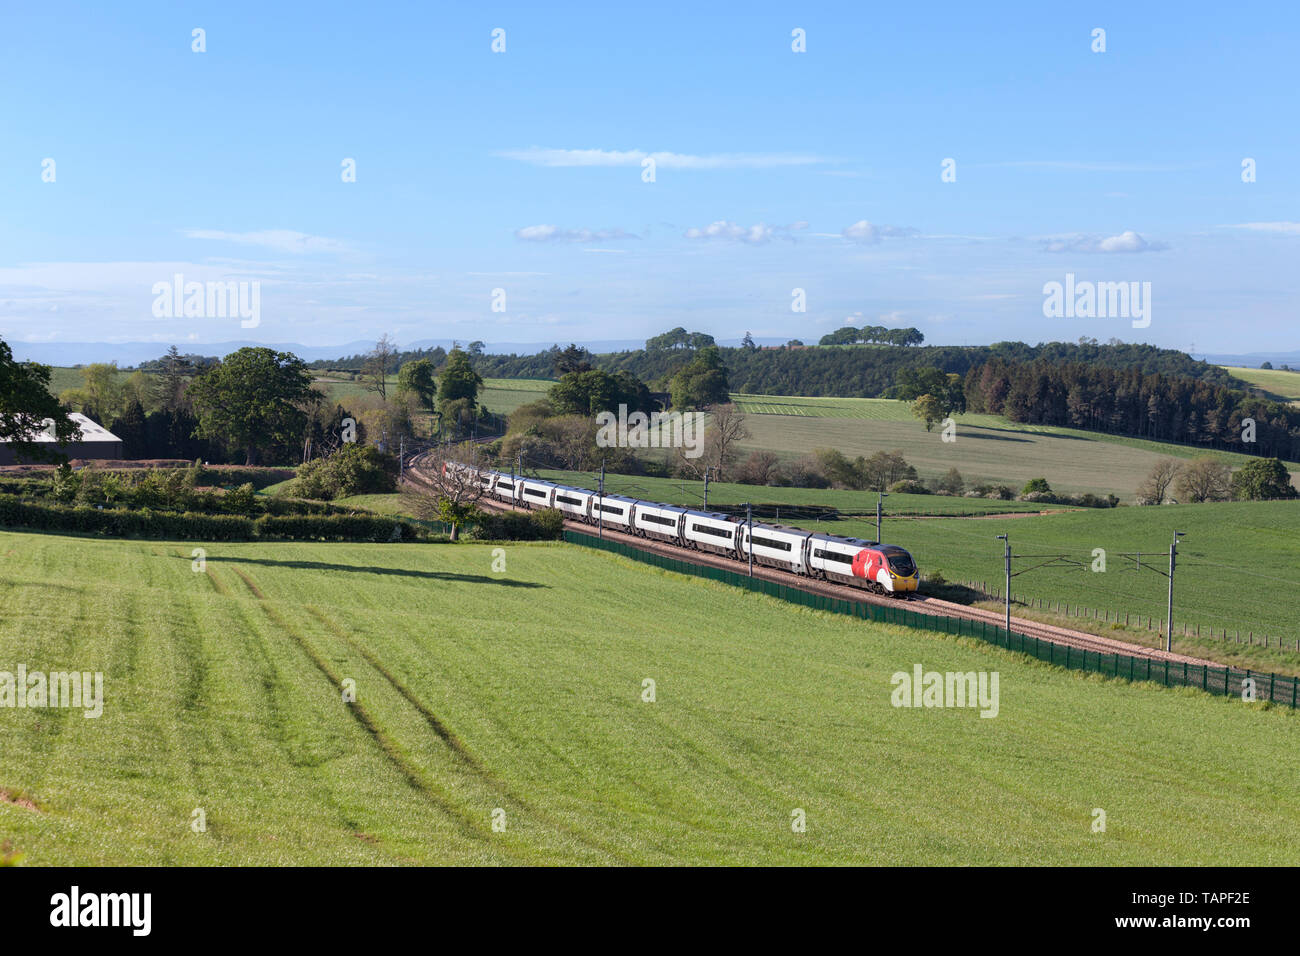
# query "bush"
(951, 483)
(242, 501)
(549, 523)
(908, 486)
(1263, 479)
(1036, 486)
(546, 524)
(804, 472)
(1043, 497)
(352, 470)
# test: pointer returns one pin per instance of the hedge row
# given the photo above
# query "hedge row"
(546, 524)
(144, 523)
(177, 499)
(258, 477)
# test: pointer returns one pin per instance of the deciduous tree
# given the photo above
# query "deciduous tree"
(25, 404)
(254, 400)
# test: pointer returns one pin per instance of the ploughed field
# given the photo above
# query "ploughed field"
(517, 695)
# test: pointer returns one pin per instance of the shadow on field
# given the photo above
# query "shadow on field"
(951, 591)
(1013, 431)
(970, 432)
(371, 569)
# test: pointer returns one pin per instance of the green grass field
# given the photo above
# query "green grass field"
(1281, 385)
(504, 395)
(501, 395)
(987, 449)
(62, 379)
(1237, 567)
(522, 691)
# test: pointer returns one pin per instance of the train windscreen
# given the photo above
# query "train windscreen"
(901, 564)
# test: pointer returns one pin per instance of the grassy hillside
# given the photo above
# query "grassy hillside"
(987, 448)
(504, 395)
(522, 691)
(498, 394)
(62, 379)
(1281, 385)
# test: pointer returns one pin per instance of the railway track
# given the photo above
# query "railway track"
(923, 604)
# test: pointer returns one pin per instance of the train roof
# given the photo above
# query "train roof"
(786, 529)
(892, 549)
(717, 516)
(838, 539)
(660, 504)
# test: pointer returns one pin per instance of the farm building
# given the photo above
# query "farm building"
(96, 442)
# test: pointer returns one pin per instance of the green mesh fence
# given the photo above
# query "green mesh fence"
(1214, 680)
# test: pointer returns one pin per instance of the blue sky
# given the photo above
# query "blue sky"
(776, 170)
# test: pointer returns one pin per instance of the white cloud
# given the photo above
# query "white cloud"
(1282, 228)
(540, 156)
(755, 235)
(868, 233)
(1126, 241)
(547, 233)
(281, 240)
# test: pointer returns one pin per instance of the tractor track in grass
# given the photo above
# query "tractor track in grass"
(414, 778)
(1081, 640)
(454, 743)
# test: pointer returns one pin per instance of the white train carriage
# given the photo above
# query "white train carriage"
(484, 478)
(485, 481)
(707, 531)
(838, 559)
(506, 487)
(537, 494)
(776, 546)
(613, 511)
(663, 522)
(574, 502)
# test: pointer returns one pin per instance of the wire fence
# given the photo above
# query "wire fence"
(1223, 681)
(1130, 619)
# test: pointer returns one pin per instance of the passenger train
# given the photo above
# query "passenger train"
(883, 568)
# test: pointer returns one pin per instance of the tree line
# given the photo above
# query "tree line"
(255, 405)
(848, 372)
(872, 335)
(1132, 402)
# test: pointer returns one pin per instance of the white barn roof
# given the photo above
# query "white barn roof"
(90, 431)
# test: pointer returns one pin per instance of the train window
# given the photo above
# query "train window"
(771, 543)
(568, 499)
(833, 556)
(534, 492)
(716, 532)
(902, 564)
(656, 519)
(504, 484)
(611, 509)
